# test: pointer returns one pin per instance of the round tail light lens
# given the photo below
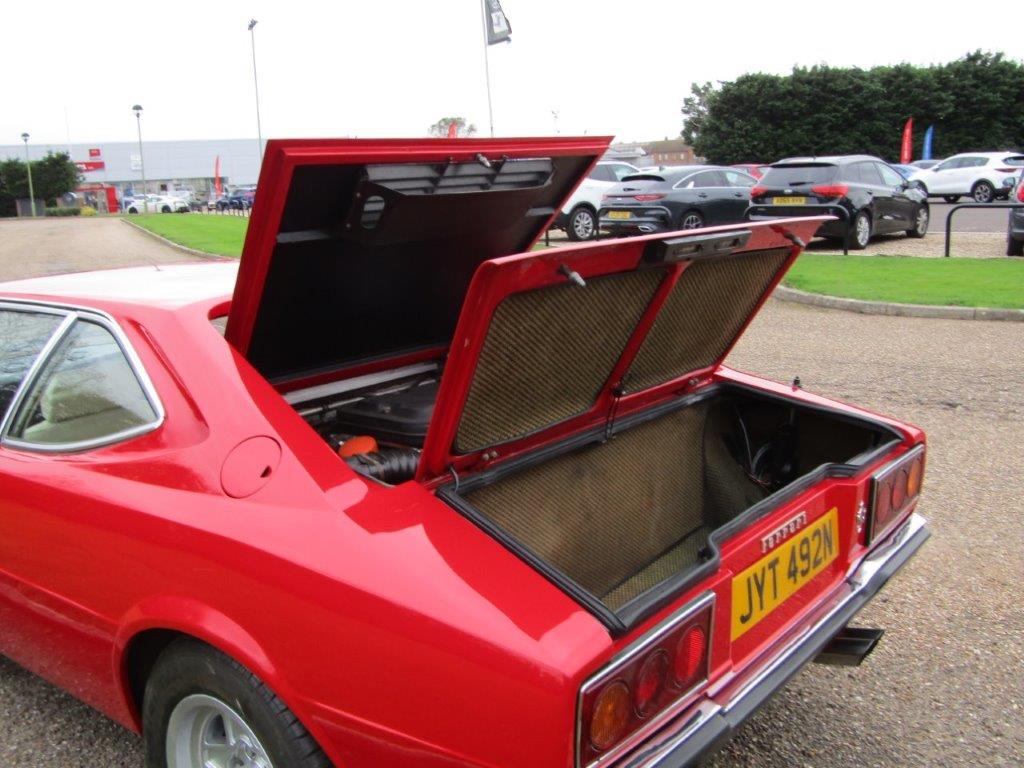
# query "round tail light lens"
(689, 659)
(899, 489)
(611, 713)
(649, 682)
(914, 478)
(883, 502)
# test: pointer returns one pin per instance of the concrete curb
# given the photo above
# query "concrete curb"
(177, 246)
(900, 310)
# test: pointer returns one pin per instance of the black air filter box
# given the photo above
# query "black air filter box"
(398, 415)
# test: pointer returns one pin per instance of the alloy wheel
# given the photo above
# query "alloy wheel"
(204, 732)
(862, 230)
(583, 224)
(982, 193)
(692, 221)
(921, 222)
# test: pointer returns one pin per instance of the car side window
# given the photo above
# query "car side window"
(945, 165)
(738, 179)
(86, 392)
(889, 177)
(866, 173)
(600, 173)
(620, 171)
(22, 337)
(973, 162)
(708, 179)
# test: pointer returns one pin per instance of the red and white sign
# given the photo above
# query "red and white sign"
(94, 153)
(91, 165)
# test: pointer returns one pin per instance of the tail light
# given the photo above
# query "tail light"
(758, 191)
(647, 198)
(1007, 170)
(894, 490)
(653, 679)
(1020, 190)
(830, 190)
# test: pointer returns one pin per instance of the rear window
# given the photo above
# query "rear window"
(642, 177)
(799, 175)
(1015, 161)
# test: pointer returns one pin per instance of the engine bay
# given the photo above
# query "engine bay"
(376, 423)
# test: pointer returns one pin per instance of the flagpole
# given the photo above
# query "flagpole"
(487, 66)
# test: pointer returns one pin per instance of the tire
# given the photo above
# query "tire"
(951, 198)
(194, 690)
(921, 220)
(133, 211)
(582, 224)
(691, 220)
(165, 209)
(860, 231)
(1014, 247)
(983, 192)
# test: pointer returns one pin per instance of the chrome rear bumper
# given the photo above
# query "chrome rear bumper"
(697, 731)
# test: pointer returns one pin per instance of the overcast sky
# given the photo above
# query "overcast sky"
(393, 67)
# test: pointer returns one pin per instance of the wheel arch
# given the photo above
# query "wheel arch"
(154, 625)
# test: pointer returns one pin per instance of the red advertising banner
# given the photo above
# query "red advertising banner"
(94, 153)
(907, 147)
(91, 165)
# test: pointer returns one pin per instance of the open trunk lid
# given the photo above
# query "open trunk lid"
(556, 341)
(359, 252)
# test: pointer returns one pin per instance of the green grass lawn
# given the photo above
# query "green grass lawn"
(222, 235)
(997, 283)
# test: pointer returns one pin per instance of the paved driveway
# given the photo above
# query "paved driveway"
(944, 687)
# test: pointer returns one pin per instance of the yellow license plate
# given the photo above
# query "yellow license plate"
(789, 201)
(619, 214)
(773, 579)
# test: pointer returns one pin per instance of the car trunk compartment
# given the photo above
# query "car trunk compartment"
(612, 519)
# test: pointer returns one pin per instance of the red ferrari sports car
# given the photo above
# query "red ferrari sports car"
(400, 490)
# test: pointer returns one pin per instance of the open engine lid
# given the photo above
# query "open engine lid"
(359, 252)
(555, 341)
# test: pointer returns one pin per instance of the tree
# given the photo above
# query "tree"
(975, 103)
(462, 128)
(695, 110)
(52, 177)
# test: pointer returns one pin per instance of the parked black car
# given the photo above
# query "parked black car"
(866, 195)
(683, 197)
(240, 200)
(1015, 226)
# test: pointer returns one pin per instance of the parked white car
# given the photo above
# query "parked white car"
(156, 204)
(980, 175)
(579, 215)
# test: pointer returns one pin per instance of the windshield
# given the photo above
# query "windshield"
(799, 175)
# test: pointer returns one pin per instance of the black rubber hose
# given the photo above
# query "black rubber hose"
(389, 465)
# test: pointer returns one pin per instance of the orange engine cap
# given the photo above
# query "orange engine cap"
(357, 445)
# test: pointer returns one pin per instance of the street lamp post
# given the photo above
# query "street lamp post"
(28, 167)
(256, 83)
(137, 109)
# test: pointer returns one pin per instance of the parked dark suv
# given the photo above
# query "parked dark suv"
(1015, 227)
(240, 200)
(867, 196)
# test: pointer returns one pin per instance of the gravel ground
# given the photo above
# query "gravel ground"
(944, 687)
(41, 247)
(975, 245)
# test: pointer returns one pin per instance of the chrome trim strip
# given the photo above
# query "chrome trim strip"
(623, 657)
(319, 391)
(100, 317)
(33, 370)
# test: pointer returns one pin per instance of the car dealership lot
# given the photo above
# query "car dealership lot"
(943, 687)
